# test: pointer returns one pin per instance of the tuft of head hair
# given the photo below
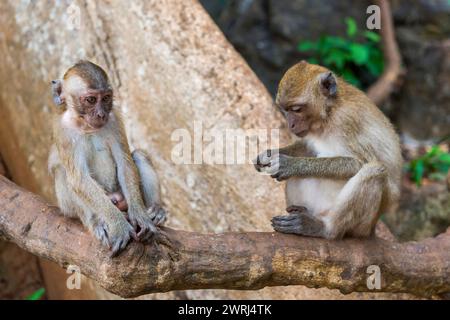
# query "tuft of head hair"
(298, 79)
(95, 77)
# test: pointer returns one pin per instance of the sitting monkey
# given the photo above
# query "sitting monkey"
(344, 171)
(95, 175)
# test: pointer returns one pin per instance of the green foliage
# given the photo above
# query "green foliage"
(37, 295)
(435, 165)
(347, 56)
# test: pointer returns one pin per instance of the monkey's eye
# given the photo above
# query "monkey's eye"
(298, 107)
(106, 98)
(91, 99)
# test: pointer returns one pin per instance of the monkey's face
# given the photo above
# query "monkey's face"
(87, 94)
(304, 95)
(94, 107)
(297, 118)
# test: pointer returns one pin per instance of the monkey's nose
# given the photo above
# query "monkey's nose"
(101, 116)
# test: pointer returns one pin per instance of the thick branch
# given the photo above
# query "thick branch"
(250, 260)
(388, 81)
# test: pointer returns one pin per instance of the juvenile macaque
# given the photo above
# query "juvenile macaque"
(96, 177)
(344, 170)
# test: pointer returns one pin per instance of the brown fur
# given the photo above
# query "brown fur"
(348, 171)
(90, 164)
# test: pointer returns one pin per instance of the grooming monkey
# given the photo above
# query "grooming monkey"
(95, 175)
(344, 170)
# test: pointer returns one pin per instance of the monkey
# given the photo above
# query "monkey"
(96, 177)
(344, 169)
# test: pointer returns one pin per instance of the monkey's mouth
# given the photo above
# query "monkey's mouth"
(95, 125)
(301, 133)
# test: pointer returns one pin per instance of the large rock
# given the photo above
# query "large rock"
(170, 65)
(423, 104)
(423, 211)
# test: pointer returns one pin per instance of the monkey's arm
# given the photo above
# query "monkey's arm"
(126, 170)
(127, 176)
(129, 183)
(283, 167)
(297, 149)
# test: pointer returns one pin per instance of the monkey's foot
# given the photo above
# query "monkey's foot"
(298, 222)
(114, 235)
(157, 214)
(142, 223)
(296, 209)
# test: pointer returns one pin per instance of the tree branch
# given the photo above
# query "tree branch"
(388, 81)
(232, 260)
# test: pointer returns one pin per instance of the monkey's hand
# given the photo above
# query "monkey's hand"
(157, 214)
(279, 166)
(114, 232)
(298, 221)
(263, 161)
(142, 222)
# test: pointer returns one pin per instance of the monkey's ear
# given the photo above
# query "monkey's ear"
(58, 99)
(328, 84)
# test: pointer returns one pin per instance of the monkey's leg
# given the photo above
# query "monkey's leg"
(355, 211)
(358, 204)
(66, 200)
(73, 207)
(150, 188)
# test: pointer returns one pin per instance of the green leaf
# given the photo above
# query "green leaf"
(441, 167)
(313, 60)
(359, 53)
(37, 295)
(444, 158)
(418, 171)
(350, 77)
(336, 57)
(435, 150)
(375, 65)
(352, 29)
(435, 164)
(372, 36)
(331, 42)
(374, 69)
(307, 46)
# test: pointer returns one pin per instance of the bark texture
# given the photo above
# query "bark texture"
(19, 270)
(190, 260)
(170, 65)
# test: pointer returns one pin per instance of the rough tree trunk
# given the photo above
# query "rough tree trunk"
(19, 270)
(180, 260)
(170, 65)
